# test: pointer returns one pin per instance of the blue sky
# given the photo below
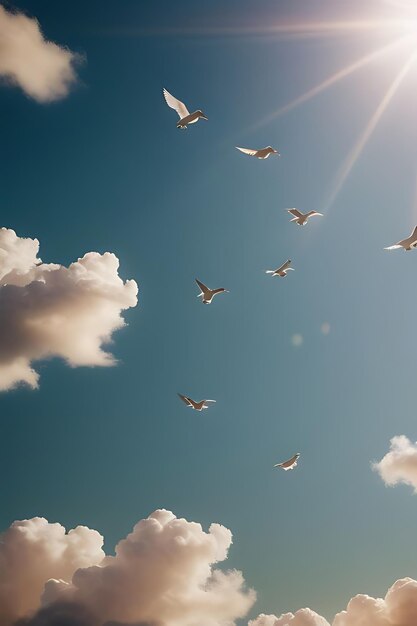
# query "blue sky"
(106, 169)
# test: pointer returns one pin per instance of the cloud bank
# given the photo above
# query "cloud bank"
(399, 465)
(398, 608)
(31, 552)
(304, 617)
(42, 69)
(163, 572)
(50, 310)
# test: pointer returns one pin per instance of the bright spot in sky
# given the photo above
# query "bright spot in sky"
(406, 13)
(297, 340)
(325, 328)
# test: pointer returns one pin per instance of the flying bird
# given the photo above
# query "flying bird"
(263, 153)
(290, 464)
(197, 406)
(208, 294)
(302, 218)
(407, 244)
(185, 116)
(281, 271)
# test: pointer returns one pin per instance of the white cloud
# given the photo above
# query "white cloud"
(399, 465)
(303, 617)
(44, 70)
(50, 310)
(31, 552)
(162, 573)
(398, 608)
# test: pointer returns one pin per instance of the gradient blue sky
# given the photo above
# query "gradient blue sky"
(106, 169)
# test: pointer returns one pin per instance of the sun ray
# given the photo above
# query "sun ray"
(328, 82)
(291, 29)
(414, 201)
(356, 151)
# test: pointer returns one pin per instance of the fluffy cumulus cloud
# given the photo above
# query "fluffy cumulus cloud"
(304, 617)
(33, 551)
(162, 573)
(399, 465)
(44, 70)
(398, 608)
(50, 310)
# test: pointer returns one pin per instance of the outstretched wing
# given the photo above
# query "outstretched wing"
(394, 247)
(175, 104)
(413, 234)
(290, 464)
(295, 212)
(185, 399)
(247, 151)
(202, 286)
(285, 266)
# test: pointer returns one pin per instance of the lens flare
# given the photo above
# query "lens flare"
(355, 153)
(328, 82)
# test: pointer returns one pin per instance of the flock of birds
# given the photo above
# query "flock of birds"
(298, 218)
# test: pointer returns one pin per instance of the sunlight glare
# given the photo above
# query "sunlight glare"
(328, 82)
(355, 153)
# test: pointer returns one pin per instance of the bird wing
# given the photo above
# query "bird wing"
(209, 400)
(394, 247)
(202, 286)
(285, 265)
(413, 234)
(295, 212)
(314, 213)
(175, 104)
(247, 151)
(185, 399)
(286, 465)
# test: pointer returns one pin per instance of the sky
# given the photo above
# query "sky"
(105, 169)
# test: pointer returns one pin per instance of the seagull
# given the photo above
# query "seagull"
(185, 116)
(208, 294)
(302, 218)
(290, 464)
(263, 153)
(281, 271)
(198, 406)
(407, 244)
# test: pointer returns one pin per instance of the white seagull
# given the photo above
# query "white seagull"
(407, 244)
(185, 116)
(281, 271)
(263, 153)
(208, 294)
(290, 464)
(302, 218)
(197, 406)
